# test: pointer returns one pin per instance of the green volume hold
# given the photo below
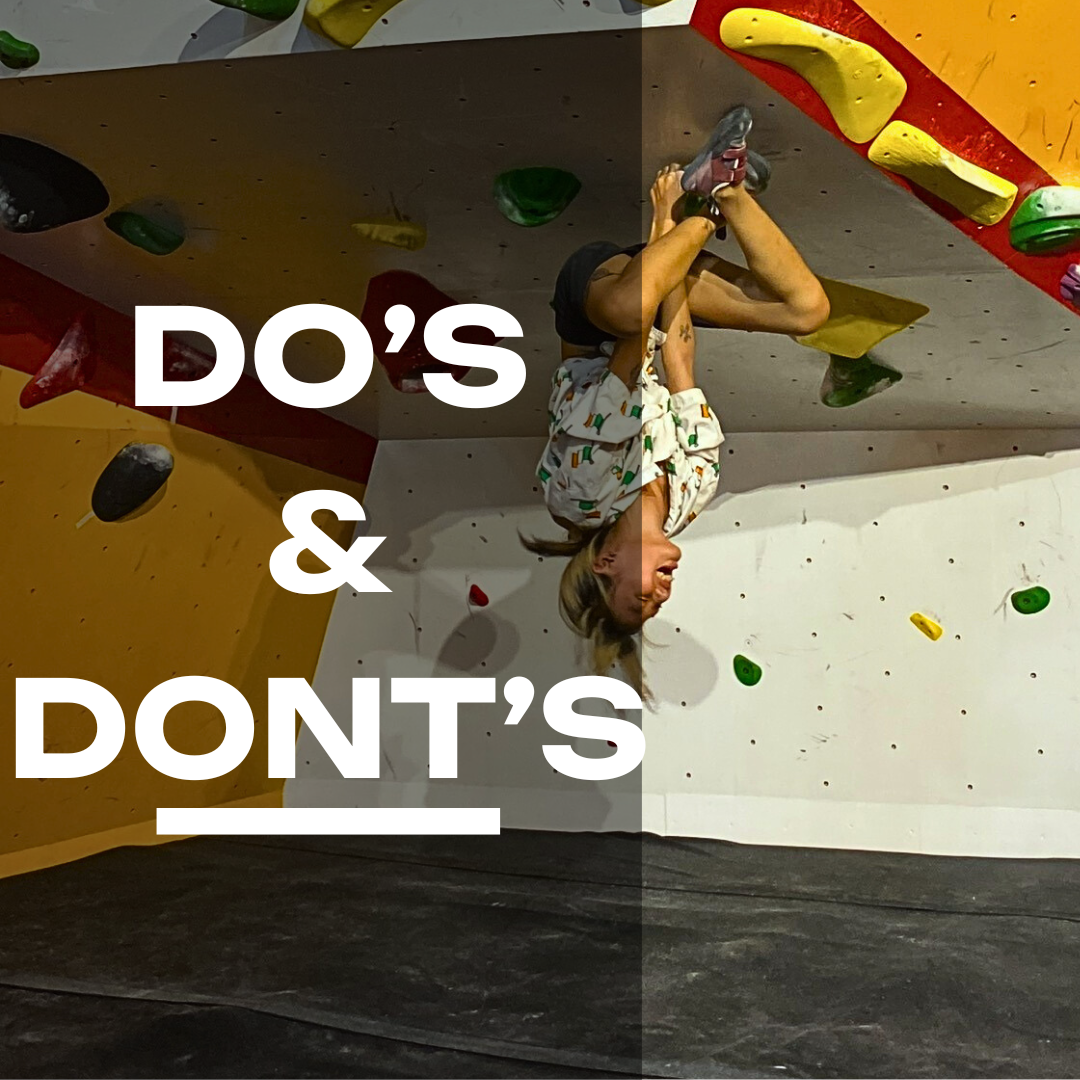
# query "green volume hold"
(144, 233)
(273, 10)
(15, 53)
(1031, 601)
(746, 671)
(532, 197)
(847, 382)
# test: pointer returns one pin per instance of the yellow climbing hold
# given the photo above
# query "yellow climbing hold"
(860, 319)
(403, 234)
(977, 193)
(345, 21)
(927, 626)
(860, 87)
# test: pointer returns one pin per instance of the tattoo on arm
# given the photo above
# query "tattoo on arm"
(684, 331)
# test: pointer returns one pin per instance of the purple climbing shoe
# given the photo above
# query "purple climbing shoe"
(722, 161)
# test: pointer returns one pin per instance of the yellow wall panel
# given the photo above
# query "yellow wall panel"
(182, 589)
(1015, 61)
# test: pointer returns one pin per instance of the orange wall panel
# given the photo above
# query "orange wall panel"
(1014, 61)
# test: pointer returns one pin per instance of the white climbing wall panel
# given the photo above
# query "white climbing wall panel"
(96, 35)
(862, 732)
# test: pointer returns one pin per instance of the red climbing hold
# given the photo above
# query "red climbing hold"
(406, 367)
(182, 363)
(610, 743)
(477, 596)
(70, 367)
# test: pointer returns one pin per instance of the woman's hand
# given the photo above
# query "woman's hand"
(665, 193)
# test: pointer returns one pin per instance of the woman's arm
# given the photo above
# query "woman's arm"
(678, 351)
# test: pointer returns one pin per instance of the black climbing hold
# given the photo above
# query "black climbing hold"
(746, 671)
(130, 480)
(15, 53)
(144, 233)
(273, 10)
(40, 188)
(1031, 601)
(533, 197)
(847, 382)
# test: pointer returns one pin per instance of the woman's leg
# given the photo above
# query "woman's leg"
(777, 292)
(625, 292)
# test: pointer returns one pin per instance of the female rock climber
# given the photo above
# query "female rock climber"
(630, 462)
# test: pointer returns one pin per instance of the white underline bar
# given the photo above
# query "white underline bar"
(328, 821)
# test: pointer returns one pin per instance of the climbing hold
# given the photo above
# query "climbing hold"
(41, 188)
(70, 366)
(407, 365)
(977, 193)
(860, 87)
(860, 319)
(130, 480)
(1048, 221)
(746, 671)
(477, 596)
(1031, 601)
(847, 381)
(15, 53)
(533, 197)
(144, 233)
(271, 10)
(345, 21)
(927, 626)
(610, 743)
(403, 234)
(182, 363)
(1070, 285)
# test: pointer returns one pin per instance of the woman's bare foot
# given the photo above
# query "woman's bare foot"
(665, 193)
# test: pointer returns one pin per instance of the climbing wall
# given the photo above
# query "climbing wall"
(994, 350)
(862, 731)
(133, 33)
(128, 577)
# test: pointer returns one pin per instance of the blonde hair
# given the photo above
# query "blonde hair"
(585, 606)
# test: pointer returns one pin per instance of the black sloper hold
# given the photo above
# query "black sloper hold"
(41, 189)
(130, 480)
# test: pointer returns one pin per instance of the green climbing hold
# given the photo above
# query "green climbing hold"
(15, 53)
(533, 197)
(144, 233)
(1047, 222)
(273, 10)
(746, 671)
(1031, 601)
(847, 382)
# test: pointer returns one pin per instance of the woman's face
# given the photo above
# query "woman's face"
(640, 588)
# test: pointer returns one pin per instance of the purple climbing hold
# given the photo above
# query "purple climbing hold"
(1070, 285)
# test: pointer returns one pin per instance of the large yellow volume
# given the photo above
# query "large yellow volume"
(345, 21)
(860, 319)
(976, 192)
(860, 87)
